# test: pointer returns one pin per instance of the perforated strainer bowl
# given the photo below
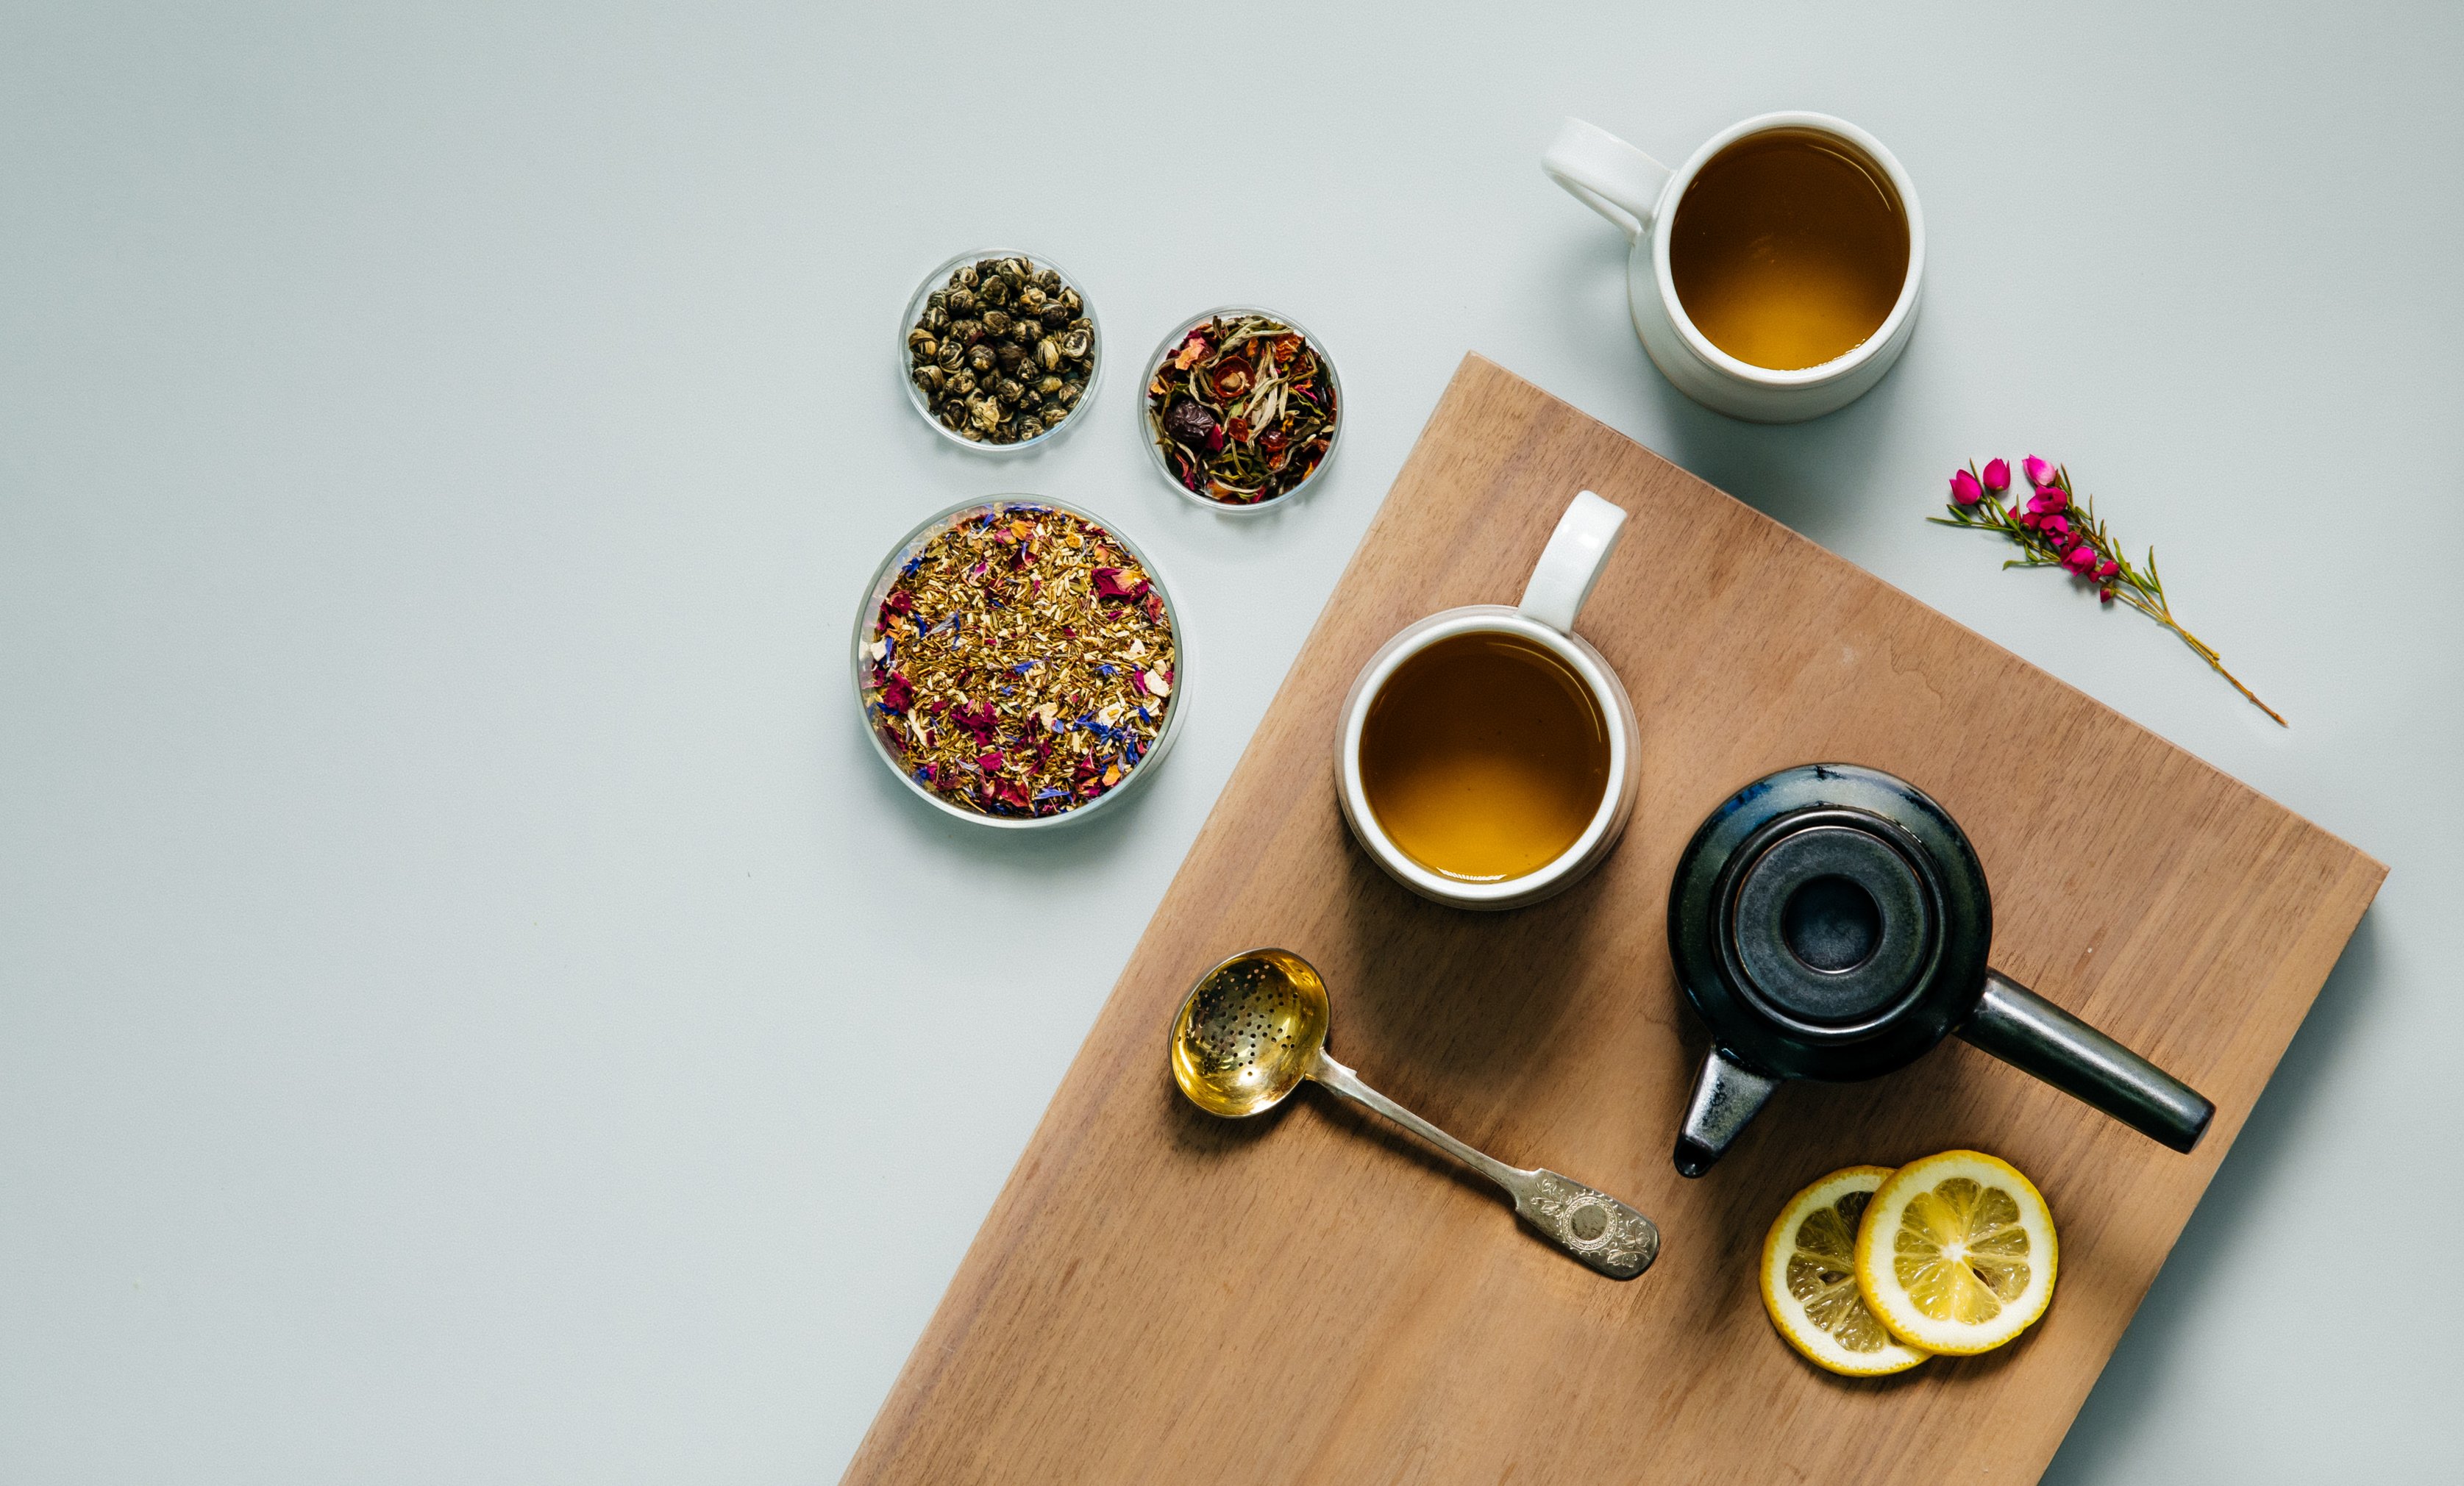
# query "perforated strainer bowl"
(1248, 1032)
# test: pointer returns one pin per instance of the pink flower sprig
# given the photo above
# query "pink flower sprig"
(2055, 530)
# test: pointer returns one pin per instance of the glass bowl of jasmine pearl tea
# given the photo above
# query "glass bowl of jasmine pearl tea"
(999, 350)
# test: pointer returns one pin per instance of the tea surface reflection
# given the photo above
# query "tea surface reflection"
(1789, 249)
(1484, 757)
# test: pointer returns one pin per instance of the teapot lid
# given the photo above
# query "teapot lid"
(1829, 922)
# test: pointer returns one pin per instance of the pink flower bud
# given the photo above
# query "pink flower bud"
(2028, 519)
(2081, 560)
(1997, 475)
(1964, 489)
(2104, 596)
(2058, 525)
(2039, 474)
(2107, 569)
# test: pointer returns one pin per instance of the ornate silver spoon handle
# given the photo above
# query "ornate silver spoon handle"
(1587, 1223)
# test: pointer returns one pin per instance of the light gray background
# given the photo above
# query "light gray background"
(470, 1009)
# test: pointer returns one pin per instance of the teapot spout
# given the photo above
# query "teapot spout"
(1726, 1095)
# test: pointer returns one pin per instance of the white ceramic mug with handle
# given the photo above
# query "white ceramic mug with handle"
(1641, 196)
(1561, 581)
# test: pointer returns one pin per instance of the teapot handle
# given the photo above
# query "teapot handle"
(2031, 1034)
(1606, 174)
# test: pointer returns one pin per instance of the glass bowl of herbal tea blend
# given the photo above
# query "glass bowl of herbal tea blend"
(1000, 350)
(1018, 662)
(1241, 409)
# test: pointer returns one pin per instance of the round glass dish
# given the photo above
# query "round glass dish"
(939, 280)
(1153, 436)
(869, 680)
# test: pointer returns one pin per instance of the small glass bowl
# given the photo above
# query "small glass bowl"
(940, 278)
(1147, 431)
(861, 659)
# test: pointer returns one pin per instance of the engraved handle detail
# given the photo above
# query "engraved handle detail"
(1589, 1224)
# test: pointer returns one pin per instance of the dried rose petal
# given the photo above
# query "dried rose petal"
(1108, 585)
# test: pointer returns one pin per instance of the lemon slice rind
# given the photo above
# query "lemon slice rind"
(1825, 1274)
(1918, 1275)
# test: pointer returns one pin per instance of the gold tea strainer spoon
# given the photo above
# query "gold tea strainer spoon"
(1255, 1026)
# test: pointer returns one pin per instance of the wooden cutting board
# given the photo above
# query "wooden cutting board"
(1163, 1297)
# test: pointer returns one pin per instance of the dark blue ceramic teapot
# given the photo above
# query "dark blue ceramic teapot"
(1832, 921)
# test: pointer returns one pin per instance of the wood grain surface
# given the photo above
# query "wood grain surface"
(1160, 1295)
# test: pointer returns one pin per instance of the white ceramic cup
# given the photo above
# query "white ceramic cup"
(1641, 195)
(1569, 566)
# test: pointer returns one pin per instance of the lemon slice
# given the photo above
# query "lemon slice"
(1810, 1278)
(1956, 1253)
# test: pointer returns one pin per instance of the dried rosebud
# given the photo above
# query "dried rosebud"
(1188, 422)
(1964, 489)
(1997, 475)
(2039, 474)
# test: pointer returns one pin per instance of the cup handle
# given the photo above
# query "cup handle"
(1571, 562)
(1606, 174)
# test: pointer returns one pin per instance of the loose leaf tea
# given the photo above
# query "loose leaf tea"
(1021, 663)
(1003, 352)
(1242, 409)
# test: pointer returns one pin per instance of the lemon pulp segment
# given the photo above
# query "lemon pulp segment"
(1960, 1252)
(1822, 1274)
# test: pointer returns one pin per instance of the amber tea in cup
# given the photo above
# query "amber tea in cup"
(1789, 249)
(1484, 756)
